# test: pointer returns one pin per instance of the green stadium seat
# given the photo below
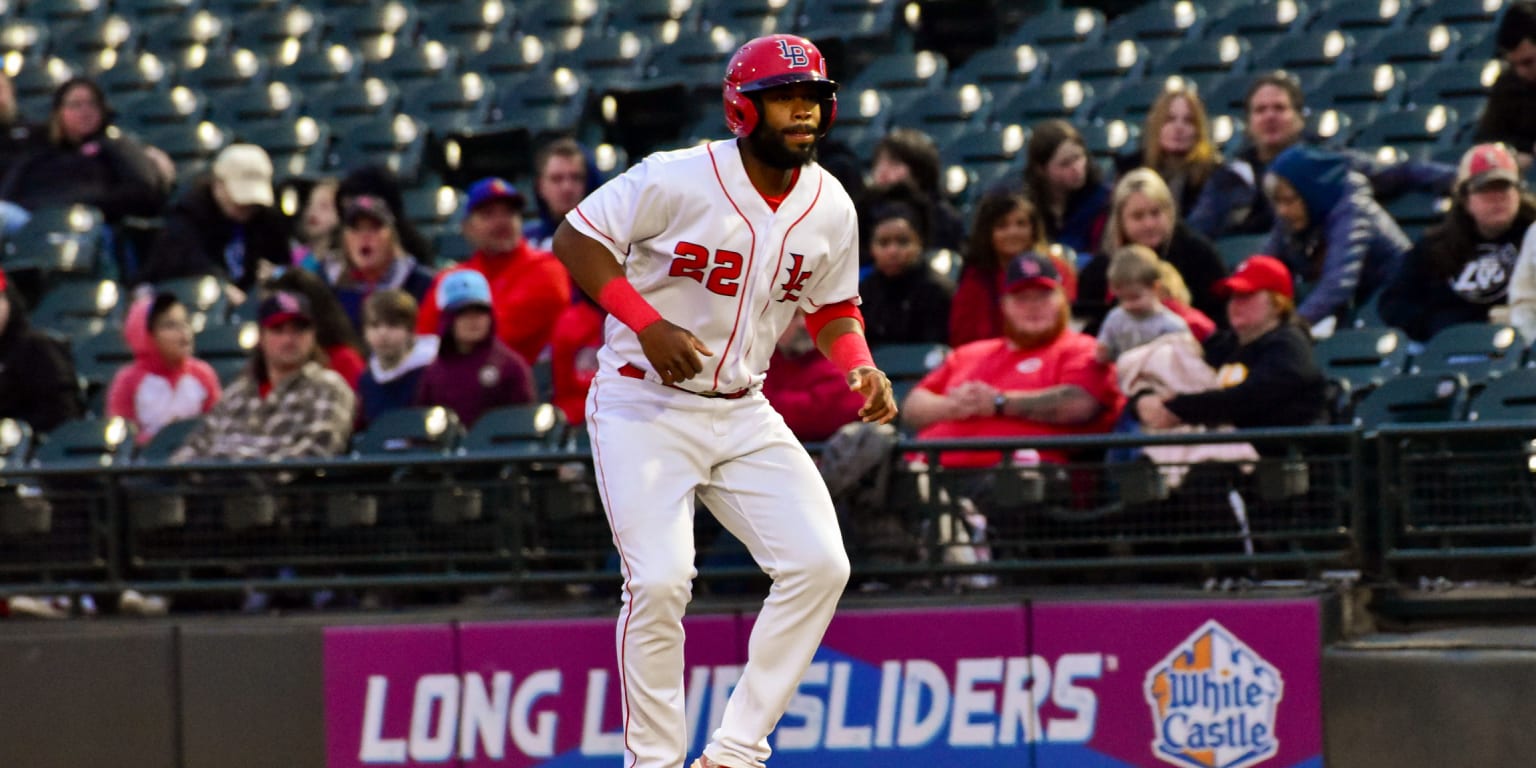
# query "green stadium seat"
(165, 442)
(522, 55)
(1417, 51)
(322, 67)
(516, 430)
(543, 102)
(230, 71)
(1477, 351)
(378, 29)
(612, 59)
(16, 441)
(348, 106)
(1060, 31)
(988, 144)
(273, 31)
(1012, 65)
(946, 113)
(1234, 249)
(1414, 399)
(206, 298)
(1510, 397)
(451, 104)
(469, 27)
(1111, 138)
(1226, 54)
(1161, 19)
(659, 21)
(1365, 358)
(1311, 55)
(398, 143)
(59, 13)
(1465, 15)
(1126, 60)
(226, 345)
(1361, 14)
(87, 39)
(98, 357)
(746, 19)
(1261, 23)
(179, 105)
(908, 361)
(87, 443)
(425, 431)
(1417, 132)
(76, 307)
(563, 24)
(172, 37)
(298, 146)
(431, 60)
(189, 143)
(1070, 99)
(155, 10)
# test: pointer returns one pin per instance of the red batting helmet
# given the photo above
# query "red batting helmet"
(768, 62)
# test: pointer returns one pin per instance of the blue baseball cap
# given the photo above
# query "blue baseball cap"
(493, 188)
(463, 288)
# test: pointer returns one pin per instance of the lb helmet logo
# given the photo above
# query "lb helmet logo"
(1214, 702)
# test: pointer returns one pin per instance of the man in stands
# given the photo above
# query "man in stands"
(1510, 115)
(564, 174)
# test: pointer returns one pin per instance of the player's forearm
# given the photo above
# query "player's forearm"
(1061, 404)
(588, 262)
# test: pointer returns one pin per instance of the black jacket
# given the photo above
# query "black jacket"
(37, 379)
(1187, 250)
(911, 308)
(113, 175)
(197, 232)
(1510, 114)
(1421, 301)
(1277, 382)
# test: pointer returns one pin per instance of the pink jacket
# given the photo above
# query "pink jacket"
(151, 392)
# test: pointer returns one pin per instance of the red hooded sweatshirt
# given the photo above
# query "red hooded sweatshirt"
(151, 392)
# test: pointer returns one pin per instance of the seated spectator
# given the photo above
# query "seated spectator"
(1231, 202)
(806, 388)
(1174, 295)
(398, 358)
(1176, 143)
(373, 259)
(474, 372)
(1139, 315)
(317, 238)
(224, 225)
(165, 382)
(1040, 378)
(531, 287)
(18, 137)
(80, 162)
(1509, 117)
(573, 356)
(907, 154)
(904, 300)
(1330, 231)
(333, 331)
(37, 378)
(564, 173)
(382, 183)
(1066, 185)
(1264, 361)
(1463, 267)
(1143, 214)
(286, 405)
(1006, 226)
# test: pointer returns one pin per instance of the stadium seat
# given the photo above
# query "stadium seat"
(1311, 56)
(612, 59)
(1158, 20)
(378, 29)
(271, 32)
(220, 342)
(398, 143)
(87, 444)
(1416, 51)
(1069, 99)
(298, 146)
(1224, 55)
(1510, 397)
(908, 361)
(155, 10)
(1417, 133)
(1364, 358)
(16, 441)
(1461, 85)
(451, 104)
(1061, 31)
(258, 102)
(1111, 138)
(851, 34)
(1261, 23)
(1465, 15)
(173, 37)
(1414, 399)
(143, 110)
(165, 442)
(431, 60)
(1362, 94)
(190, 143)
(28, 37)
(98, 356)
(76, 307)
(1131, 101)
(543, 102)
(1357, 15)
(658, 21)
(1013, 65)
(516, 430)
(470, 27)
(425, 431)
(947, 112)
(1234, 249)
(431, 204)
(326, 67)
(144, 72)
(56, 243)
(697, 62)
(87, 39)
(523, 55)
(1102, 69)
(1476, 351)
(747, 19)
(349, 105)
(987, 144)
(230, 71)
(205, 298)
(563, 24)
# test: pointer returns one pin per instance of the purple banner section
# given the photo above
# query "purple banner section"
(1200, 684)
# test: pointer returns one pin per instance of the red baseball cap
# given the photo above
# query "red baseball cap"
(1486, 164)
(1258, 273)
(1031, 270)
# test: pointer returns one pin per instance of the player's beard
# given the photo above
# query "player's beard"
(770, 147)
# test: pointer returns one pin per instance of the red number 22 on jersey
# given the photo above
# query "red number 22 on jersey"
(721, 275)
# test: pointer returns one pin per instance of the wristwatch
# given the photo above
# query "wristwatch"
(998, 403)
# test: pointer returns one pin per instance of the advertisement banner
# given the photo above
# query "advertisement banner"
(1210, 684)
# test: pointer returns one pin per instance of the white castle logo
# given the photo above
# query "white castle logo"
(1214, 702)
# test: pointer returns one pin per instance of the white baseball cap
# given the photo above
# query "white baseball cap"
(246, 171)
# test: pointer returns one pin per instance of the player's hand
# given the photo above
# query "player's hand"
(673, 351)
(879, 400)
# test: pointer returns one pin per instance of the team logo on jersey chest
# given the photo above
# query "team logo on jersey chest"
(795, 282)
(794, 54)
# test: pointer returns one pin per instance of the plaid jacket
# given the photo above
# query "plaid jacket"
(308, 416)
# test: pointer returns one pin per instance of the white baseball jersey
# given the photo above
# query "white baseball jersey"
(698, 241)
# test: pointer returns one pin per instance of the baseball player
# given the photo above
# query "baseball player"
(701, 256)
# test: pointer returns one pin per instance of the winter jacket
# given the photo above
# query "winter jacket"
(470, 383)
(811, 394)
(112, 174)
(306, 416)
(150, 392)
(380, 390)
(352, 290)
(912, 307)
(1351, 247)
(1272, 381)
(37, 378)
(529, 289)
(1421, 302)
(1187, 250)
(198, 238)
(1510, 113)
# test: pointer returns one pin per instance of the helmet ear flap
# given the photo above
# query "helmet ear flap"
(740, 111)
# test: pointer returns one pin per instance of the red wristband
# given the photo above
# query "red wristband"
(624, 302)
(850, 351)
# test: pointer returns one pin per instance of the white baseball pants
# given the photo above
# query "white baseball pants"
(654, 449)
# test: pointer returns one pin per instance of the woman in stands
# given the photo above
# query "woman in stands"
(907, 154)
(1463, 267)
(1143, 213)
(1066, 185)
(1006, 225)
(164, 382)
(904, 300)
(1176, 142)
(373, 258)
(1264, 361)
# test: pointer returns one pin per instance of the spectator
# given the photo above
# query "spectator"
(907, 154)
(333, 331)
(1066, 185)
(1139, 315)
(286, 405)
(1264, 362)
(573, 355)
(1143, 214)
(806, 388)
(37, 378)
(530, 286)
(1231, 202)
(382, 183)
(1509, 116)
(1330, 231)
(81, 163)
(1463, 267)
(474, 371)
(904, 300)
(165, 382)
(224, 225)
(1176, 143)
(399, 356)
(565, 172)
(373, 258)
(1006, 226)
(317, 244)
(17, 136)
(1040, 378)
